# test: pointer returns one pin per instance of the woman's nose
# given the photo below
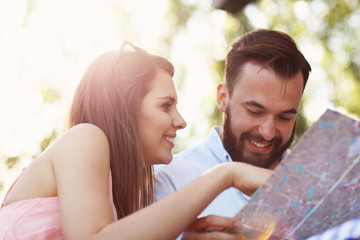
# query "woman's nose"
(179, 122)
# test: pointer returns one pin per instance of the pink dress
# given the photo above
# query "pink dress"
(34, 219)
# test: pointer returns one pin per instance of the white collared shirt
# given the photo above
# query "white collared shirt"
(190, 164)
(349, 230)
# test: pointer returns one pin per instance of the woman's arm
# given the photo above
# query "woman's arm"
(167, 218)
(81, 165)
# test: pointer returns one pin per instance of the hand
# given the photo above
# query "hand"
(212, 227)
(248, 178)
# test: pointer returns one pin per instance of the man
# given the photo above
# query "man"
(265, 77)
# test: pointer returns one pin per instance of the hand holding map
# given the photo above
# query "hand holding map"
(314, 188)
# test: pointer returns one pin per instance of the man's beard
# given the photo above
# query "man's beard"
(235, 147)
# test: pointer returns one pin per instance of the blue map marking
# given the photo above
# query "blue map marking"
(311, 192)
(332, 213)
(280, 184)
(283, 167)
(308, 210)
(326, 124)
(335, 161)
(295, 203)
(353, 140)
(300, 169)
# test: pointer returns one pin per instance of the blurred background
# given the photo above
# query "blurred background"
(46, 45)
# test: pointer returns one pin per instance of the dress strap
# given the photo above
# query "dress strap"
(12, 185)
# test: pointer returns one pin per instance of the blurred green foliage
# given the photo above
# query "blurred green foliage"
(12, 161)
(335, 24)
(48, 140)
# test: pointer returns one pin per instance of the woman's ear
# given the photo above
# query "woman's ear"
(222, 96)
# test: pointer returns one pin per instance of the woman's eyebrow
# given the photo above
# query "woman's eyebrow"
(172, 99)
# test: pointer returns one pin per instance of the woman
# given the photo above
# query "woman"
(96, 180)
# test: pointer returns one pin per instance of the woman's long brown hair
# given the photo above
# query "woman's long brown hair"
(109, 96)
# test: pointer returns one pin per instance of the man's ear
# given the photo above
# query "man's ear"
(222, 96)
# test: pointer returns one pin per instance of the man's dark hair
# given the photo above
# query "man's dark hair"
(271, 49)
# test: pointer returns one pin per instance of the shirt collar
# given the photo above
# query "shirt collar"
(216, 146)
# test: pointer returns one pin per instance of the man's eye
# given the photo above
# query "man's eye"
(253, 112)
(284, 118)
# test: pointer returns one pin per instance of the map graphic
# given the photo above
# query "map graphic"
(314, 188)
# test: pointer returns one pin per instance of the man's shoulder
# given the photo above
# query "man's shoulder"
(192, 162)
(188, 158)
(207, 148)
(184, 168)
(200, 149)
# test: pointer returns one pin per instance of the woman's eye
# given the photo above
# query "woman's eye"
(166, 106)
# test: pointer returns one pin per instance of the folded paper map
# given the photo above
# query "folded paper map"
(314, 188)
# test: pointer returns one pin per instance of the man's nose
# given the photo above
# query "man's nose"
(267, 129)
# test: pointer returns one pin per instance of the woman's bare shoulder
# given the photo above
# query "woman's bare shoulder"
(84, 133)
(86, 129)
(78, 140)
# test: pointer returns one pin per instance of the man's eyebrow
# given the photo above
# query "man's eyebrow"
(258, 105)
(289, 111)
(254, 103)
